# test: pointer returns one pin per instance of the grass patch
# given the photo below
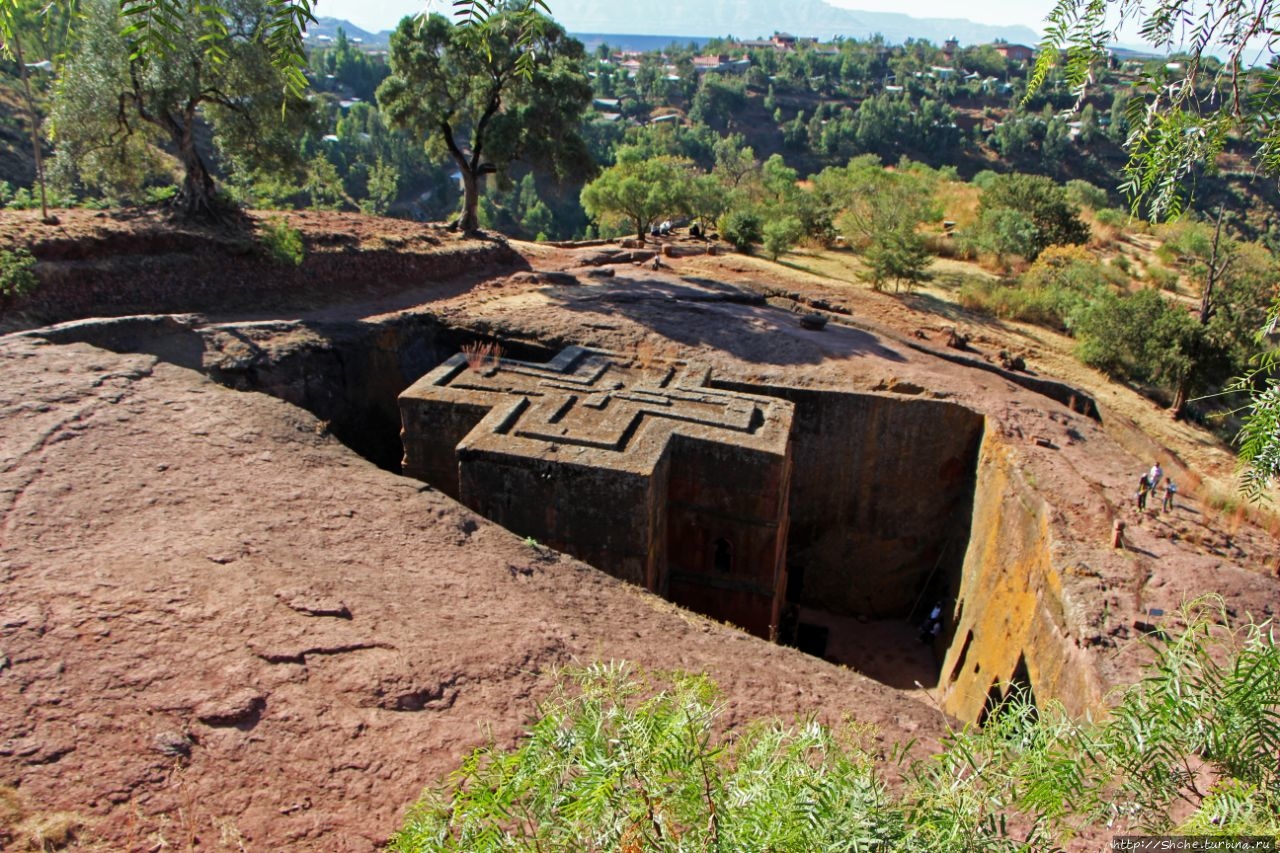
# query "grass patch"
(281, 243)
(23, 829)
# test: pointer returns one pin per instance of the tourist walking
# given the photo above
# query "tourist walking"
(1154, 477)
(1169, 491)
(1144, 488)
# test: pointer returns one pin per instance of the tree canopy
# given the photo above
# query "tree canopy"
(1181, 118)
(1047, 218)
(113, 105)
(882, 209)
(485, 100)
(1185, 111)
(639, 188)
(158, 27)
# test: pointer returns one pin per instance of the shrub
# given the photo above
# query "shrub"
(282, 243)
(618, 762)
(1163, 278)
(1084, 194)
(17, 274)
(1042, 306)
(160, 195)
(1050, 293)
(1112, 217)
(742, 228)
(781, 234)
(23, 199)
(984, 179)
(1025, 214)
(1184, 240)
(1140, 337)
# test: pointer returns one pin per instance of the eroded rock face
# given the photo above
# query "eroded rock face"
(221, 623)
(881, 498)
(1010, 628)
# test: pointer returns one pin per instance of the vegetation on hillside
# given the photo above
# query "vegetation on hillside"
(619, 760)
(854, 144)
(1179, 122)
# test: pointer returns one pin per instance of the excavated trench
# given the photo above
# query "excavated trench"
(895, 504)
(881, 499)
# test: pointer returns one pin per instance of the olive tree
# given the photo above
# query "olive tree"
(115, 108)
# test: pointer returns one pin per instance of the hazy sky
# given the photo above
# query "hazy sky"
(374, 15)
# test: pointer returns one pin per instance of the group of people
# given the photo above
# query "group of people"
(931, 627)
(1149, 484)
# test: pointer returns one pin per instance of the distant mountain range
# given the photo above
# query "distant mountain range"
(741, 18)
(326, 29)
(762, 18)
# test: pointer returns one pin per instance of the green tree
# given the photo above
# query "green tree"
(1178, 123)
(381, 188)
(778, 180)
(735, 161)
(639, 188)
(1141, 337)
(323, 184)
(156, 28)
(46, 30)
(1084, 194)
(1003, 231)
(113, 102)
(1182, 118)
(481, 98)
(984, 59)
(743, 227)
(781, 234)
(718, 100)
(900, 256)
(1054, 220)
(1090, 129)
(1234, 281)
(707, 199)
(881, 211)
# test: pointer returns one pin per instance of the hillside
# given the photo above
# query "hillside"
(210, 583)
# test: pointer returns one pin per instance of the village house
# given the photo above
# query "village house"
(1015, 52)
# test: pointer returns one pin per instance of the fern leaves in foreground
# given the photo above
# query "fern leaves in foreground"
(626, 761)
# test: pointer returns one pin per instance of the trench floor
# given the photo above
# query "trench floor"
(888, 650)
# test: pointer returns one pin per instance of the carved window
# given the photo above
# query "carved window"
(722, 557)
